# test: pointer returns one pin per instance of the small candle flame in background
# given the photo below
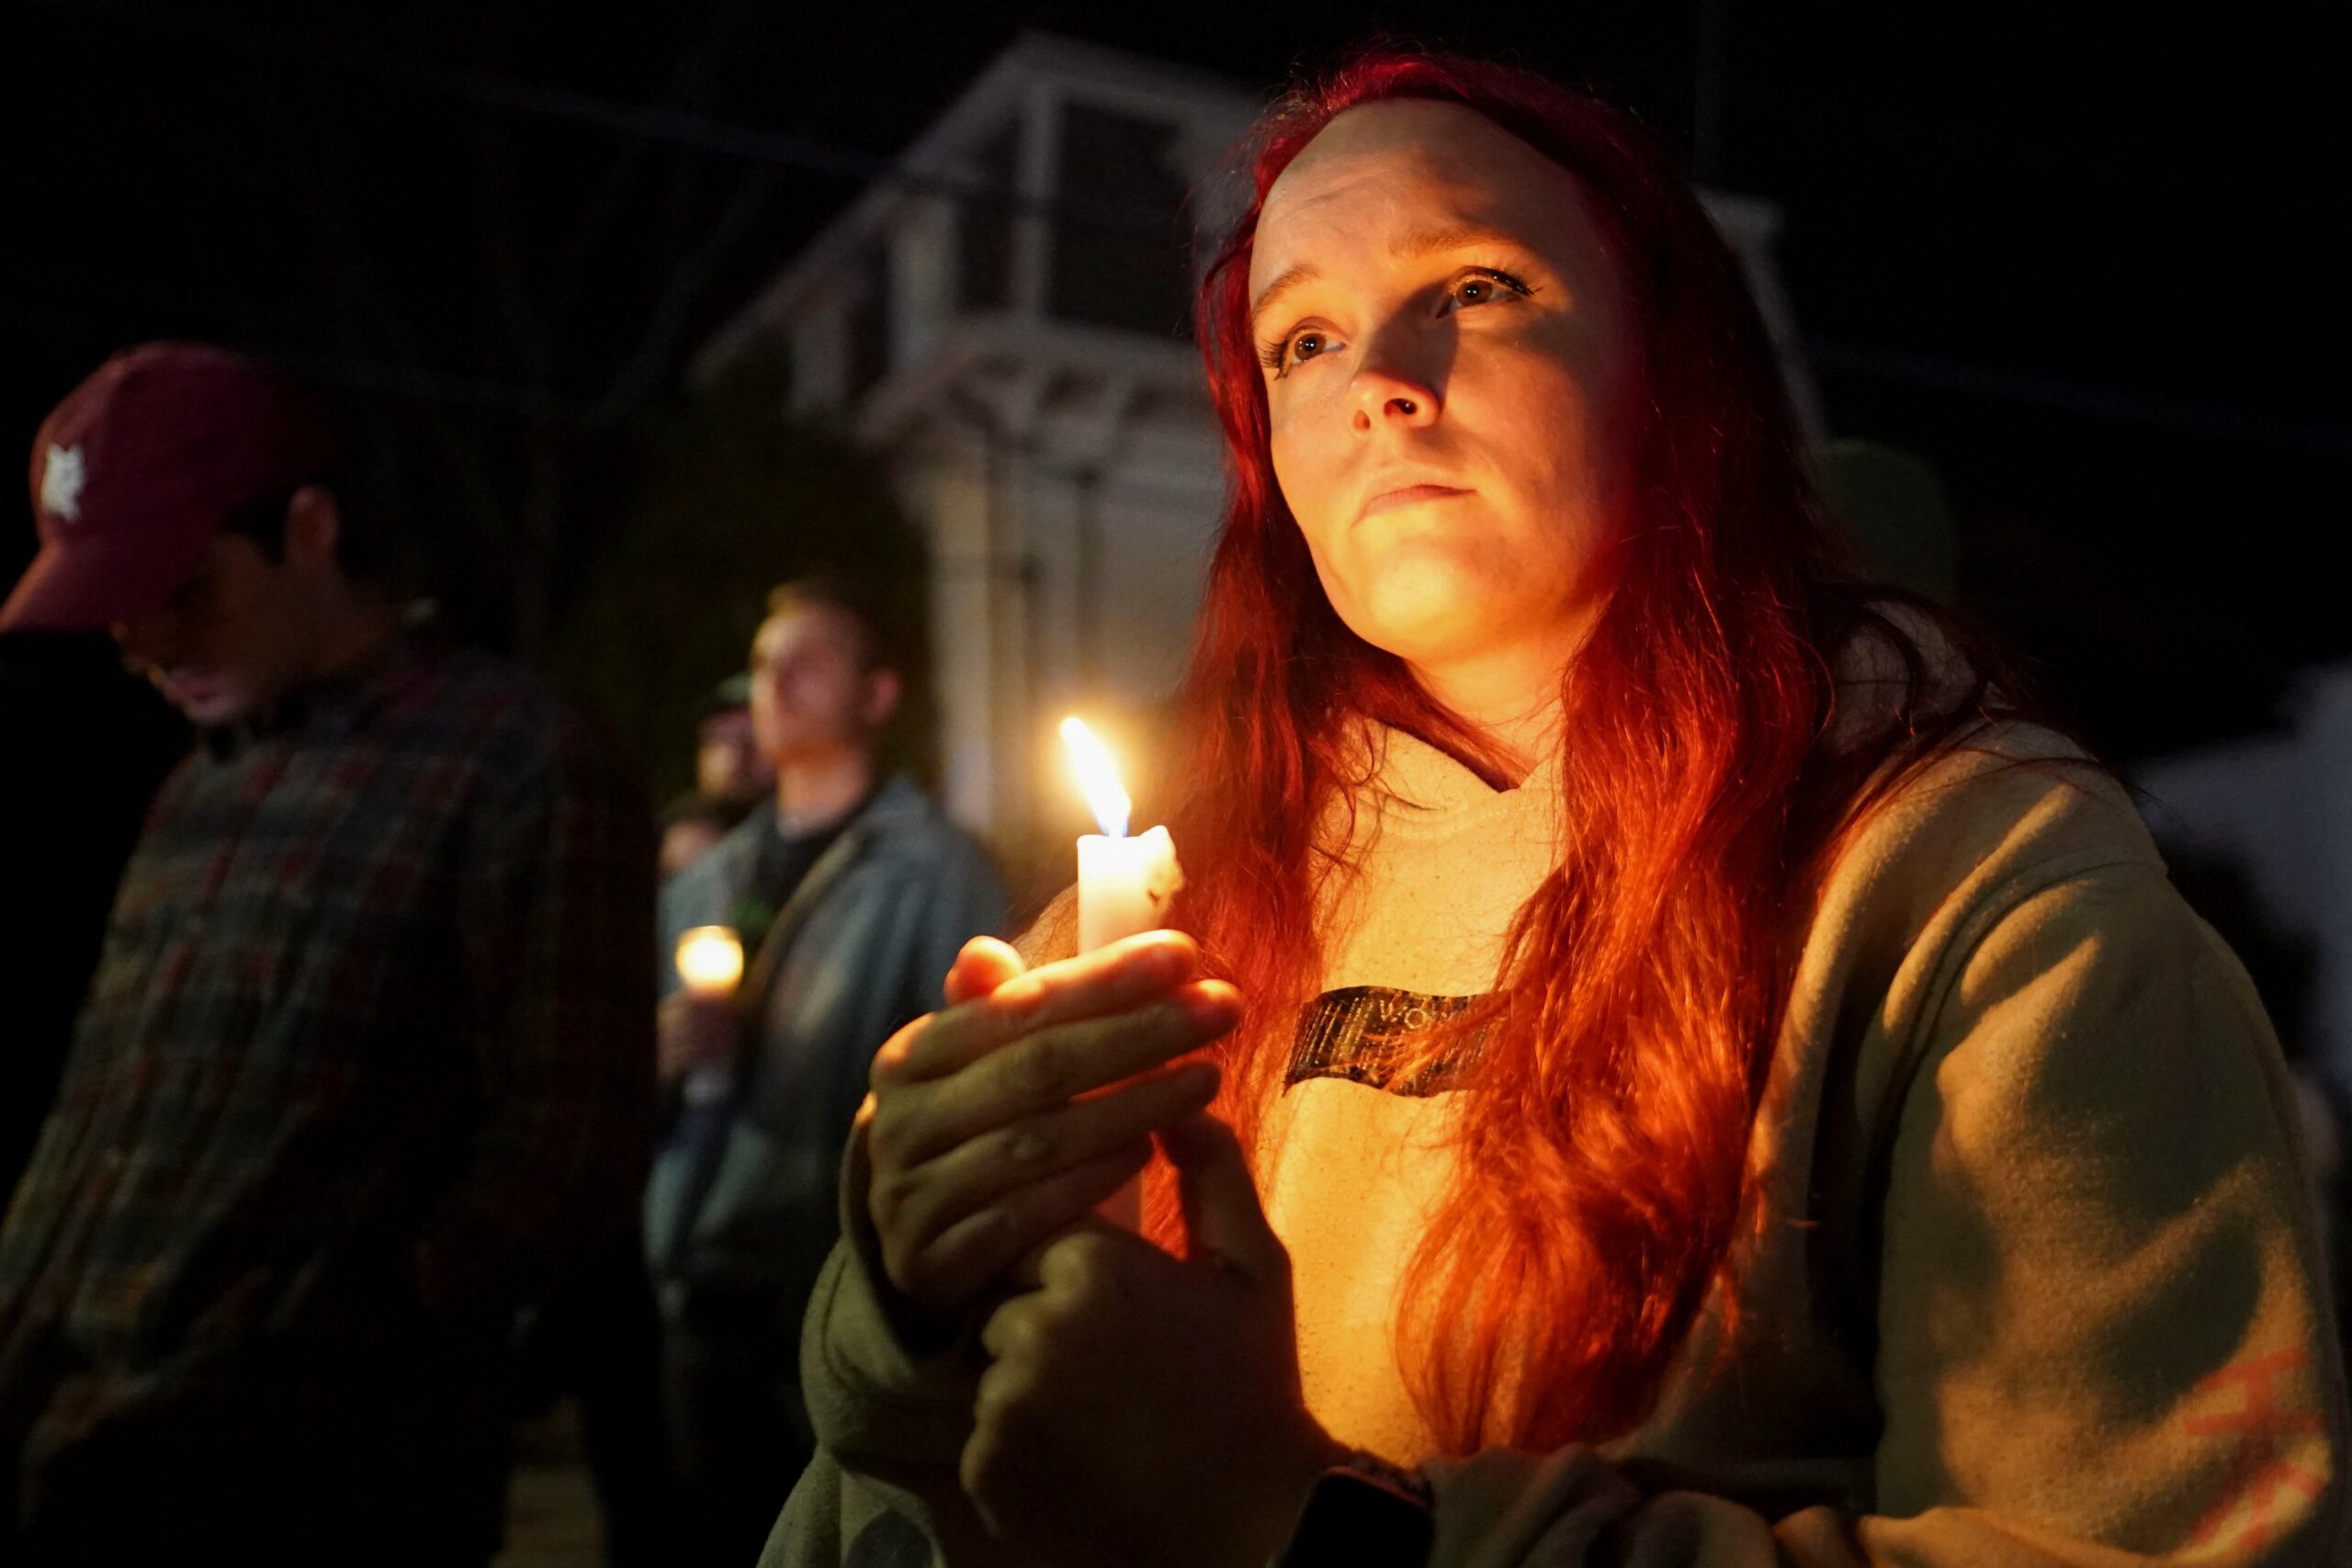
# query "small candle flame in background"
(711, 959)
(1098, 778)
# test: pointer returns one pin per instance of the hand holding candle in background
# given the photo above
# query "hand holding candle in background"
(697, 1023)
(710, 961)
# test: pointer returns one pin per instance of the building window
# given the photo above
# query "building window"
(1119, 235)
(984, 225)
(869, 328)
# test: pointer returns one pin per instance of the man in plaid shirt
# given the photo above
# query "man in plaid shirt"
(367, 1059)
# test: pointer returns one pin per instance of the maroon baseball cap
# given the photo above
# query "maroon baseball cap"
(140, 465)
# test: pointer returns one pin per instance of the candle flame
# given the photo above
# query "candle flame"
(1098, 778)
(710, 958)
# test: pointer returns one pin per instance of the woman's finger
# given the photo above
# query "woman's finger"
(1224, 1219)
(984, 964)
(1041, 1071)
(949, 1274)
(980, 1171)
(1061, 1256)
(1114, 979)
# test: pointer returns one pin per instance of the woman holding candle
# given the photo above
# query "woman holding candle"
(1701, 1076)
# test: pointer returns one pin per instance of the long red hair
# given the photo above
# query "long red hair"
(1603, 1139)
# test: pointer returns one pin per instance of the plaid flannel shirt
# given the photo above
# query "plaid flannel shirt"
(367, 1059)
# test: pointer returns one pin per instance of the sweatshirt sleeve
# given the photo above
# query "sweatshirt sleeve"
(890, 1421)
(2102, 1335)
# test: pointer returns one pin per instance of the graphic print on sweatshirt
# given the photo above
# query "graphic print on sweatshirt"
(1365, 1034)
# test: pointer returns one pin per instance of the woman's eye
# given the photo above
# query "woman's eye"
(1484, 287)
(1280, 354)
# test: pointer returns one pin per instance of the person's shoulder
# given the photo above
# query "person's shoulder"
(1994, 781)
(527, 705)
(451, 672)
(907, 823)
(923, 853)
(526, 731)
(443, 695)
(1994, 817)
(705, 890)
(729, 861)
(2025, 782)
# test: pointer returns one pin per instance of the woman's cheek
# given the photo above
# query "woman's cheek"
(1297, 473)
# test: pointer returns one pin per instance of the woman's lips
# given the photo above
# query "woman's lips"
(1408, 495)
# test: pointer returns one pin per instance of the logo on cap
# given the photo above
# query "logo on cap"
(62, 476)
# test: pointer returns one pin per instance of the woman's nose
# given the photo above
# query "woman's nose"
(1385, 391)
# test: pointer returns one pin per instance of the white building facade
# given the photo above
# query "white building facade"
(1006, 325)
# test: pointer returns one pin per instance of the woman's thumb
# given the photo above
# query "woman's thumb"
(1225, 1224)
(983, 965)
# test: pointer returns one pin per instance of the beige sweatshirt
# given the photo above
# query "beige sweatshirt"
(2093, 1332)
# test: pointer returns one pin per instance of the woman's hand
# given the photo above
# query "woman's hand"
(1143, 1411)
(986, 1133)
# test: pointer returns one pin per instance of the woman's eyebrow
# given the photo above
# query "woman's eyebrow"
(1305, 272)
(1459, 237)
(1418, 243)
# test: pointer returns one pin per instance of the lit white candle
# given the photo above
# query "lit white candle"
(1123, 885)
(710, 960)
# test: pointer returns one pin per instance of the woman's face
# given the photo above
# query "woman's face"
(1446, 356)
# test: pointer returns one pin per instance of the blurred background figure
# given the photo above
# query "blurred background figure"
(692, 825)
(729, 764)
(86, 746)
(731, 776)
(851, 896)
(364, 1065)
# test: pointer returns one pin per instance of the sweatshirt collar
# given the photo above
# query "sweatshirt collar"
(1414, 787)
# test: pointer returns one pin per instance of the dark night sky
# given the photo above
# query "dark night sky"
(2073, 260)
